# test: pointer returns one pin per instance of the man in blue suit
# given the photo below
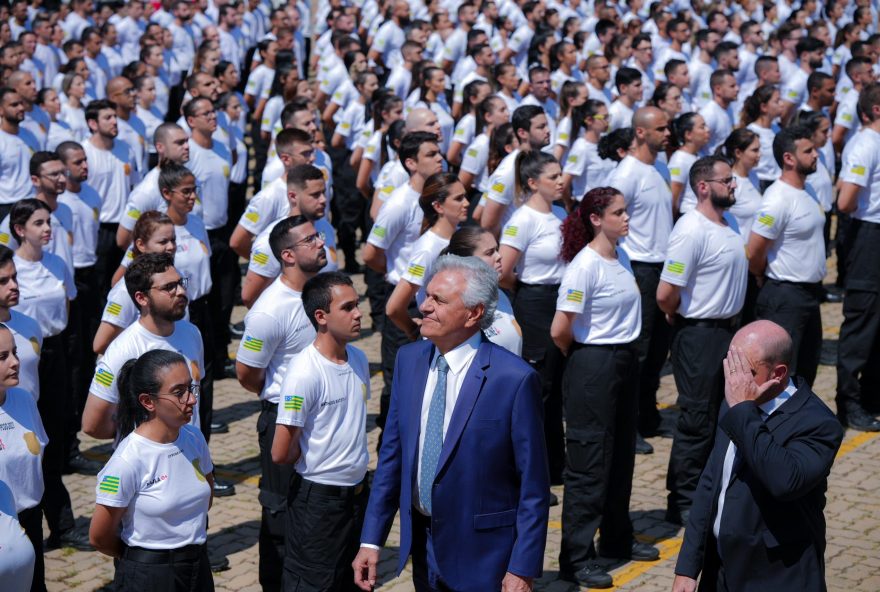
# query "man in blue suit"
(757, 520)
(463, 454)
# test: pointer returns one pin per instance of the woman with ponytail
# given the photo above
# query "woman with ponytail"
(598, 318)
(154, 493)
(473, 95)
(759, 114)
(490, 113)
(530, 265)
(583, 169)
(432, 95)
(371, 150)
(690, 134)
(444, 206)
(742, 149)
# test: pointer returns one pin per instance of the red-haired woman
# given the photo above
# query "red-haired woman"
(598, 317)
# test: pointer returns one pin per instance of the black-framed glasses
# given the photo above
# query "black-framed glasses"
(207, 114)
(193, 388)
(186, 191)
(725, 181)
(171, 287)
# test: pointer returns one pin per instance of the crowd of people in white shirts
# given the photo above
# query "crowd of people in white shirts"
(635, 173)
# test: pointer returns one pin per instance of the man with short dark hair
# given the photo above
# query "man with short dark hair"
(16, 146)
(275, 329)
(702, 290)
(718, 112)
(811, 54)
(700, 66)
(321, 430)
(787, 250)
(630, 92)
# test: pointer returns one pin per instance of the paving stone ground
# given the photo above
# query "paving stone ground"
(852, 513)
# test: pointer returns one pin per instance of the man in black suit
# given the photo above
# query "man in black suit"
(757, 520)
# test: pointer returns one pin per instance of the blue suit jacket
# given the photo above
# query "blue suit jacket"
(491, 493)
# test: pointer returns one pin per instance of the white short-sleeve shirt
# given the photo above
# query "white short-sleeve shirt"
(396, 230)
(794, 220)
(29, 342)
(605, 296)
(537, 236)
(85, 207)
(24, 439)
(708, 262)
(163, 487)
(45, 288)
(112, 176)
(15, 159)
(329, 402)
(263, 262)
(861, 166)
(211, 168)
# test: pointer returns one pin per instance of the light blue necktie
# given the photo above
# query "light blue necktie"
(433, 435)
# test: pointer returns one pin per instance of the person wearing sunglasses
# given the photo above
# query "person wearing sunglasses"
(153, 495)
(702, 290)
(160, 294)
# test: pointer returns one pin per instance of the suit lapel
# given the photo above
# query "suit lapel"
(420, 378)
(467, 398)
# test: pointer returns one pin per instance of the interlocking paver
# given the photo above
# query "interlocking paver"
(853, 554)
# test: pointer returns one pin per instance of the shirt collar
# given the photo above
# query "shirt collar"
(459, 357)
(770, 407)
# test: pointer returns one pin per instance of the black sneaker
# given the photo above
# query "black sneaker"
(642, 447)
(219, 427)
(69, 538)
(82, 465)
(637, 552)
(236, 330)
(592, 576)
(554, 500)
(218, 563)
(859, 419)
(223, 488)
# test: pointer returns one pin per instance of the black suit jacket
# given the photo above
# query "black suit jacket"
(772, 534)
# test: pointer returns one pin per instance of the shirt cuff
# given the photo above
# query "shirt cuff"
(369, 546)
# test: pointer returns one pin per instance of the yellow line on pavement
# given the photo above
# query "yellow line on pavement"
(855, 442)
(668, 549)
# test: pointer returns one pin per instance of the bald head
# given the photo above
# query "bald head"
(419, 120)
(647, 117)
(18, 76)
(764, 341)
(117, 85)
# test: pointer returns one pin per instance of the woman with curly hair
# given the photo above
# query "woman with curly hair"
(598, 318)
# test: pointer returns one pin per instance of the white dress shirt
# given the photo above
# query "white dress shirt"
(459, 360)
(767, 409)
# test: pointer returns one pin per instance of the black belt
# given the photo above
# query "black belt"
(576, 345)
(650, 264)
(552, 288)
(332, 490)
(188, 553)
(708, 323)
(268, 405)
(804, 285)
(865, 225)
(109, 226)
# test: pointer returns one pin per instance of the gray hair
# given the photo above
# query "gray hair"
(482, 283)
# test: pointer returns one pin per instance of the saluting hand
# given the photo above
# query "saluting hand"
(739, 382)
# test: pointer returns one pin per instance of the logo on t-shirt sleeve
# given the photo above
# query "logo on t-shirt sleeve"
(766, 219)
(857, 169)
(379, 231)
(676, 267)
(114, 308)
(261, 258)
(416, 270)
(576, 296)
(252, 343)
(293, 403)
(511, 231)
(104, 377)
(109, 484)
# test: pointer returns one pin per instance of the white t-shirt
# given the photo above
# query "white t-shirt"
(847, 117)
(263, 262)
(275, 329)
(505, 331)
(21, 454)
(537, 236)
(329, 402)
(476, 159)
(145, 197)
(259, 82)
(464, 130)
(15, 159)
(861, 166)
(502, 185)
(794, 220)
(680, 164)
(112, 176)
(163, 487)
(422, 256)
(748, 202)
(29, 342)
(585, 167)
(17, 553)
(85, 208)
(708, 262)
(649, 203)
(61, 243)
(45, 287)
(193, 256)
(120, 310)
(619, 116)
(794, 87)
(720, 124)
(392, 176)
(211, 168)
(562, 137)
(133, 132)
(396, 230)
(767, 169)
(605, 297)
(136, 340)
(267, 206)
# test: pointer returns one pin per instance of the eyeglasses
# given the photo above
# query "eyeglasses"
(55, 175)
(171, 287)
(128, 91)
(725, 181)
(182, 396)
(311, 240)
(186, 191)
(208, 114)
